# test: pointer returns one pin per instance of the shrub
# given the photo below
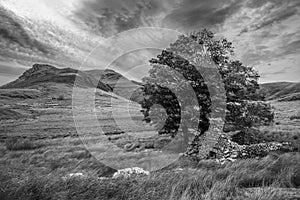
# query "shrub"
(61, 97)
(247, 136)
(15, 144)
(295, 117)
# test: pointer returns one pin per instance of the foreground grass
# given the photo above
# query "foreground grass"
(34, 169)
(204, 180)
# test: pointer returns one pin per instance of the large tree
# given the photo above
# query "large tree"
(180, 69)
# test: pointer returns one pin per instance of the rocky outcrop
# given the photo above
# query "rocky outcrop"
(226, 150)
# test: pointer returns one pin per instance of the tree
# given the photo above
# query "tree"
(172, 75)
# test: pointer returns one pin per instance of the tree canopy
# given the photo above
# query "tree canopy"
(178, 82)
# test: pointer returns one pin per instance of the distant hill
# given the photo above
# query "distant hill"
(49, 78)
(41, 74)
(282, 91)
(44, 77)
(119, 84)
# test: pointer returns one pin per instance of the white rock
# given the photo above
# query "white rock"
(71, 175)
(75, 174)
(129, 171)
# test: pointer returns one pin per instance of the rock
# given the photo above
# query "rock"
(73, 175)
(125, 173)
(228, 151)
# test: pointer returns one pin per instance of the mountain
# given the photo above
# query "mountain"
(41, 74)
(119, 84)
(282, 91)
(44, 77)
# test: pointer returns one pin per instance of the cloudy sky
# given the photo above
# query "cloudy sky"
(265, 33)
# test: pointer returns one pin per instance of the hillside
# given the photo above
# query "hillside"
(45, 77)
(283, 91)
(43, 73)
(52, 78)
(119, 84)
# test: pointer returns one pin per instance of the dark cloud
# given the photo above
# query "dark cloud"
(261, 29)
(260, 3)
(275, 3)
(194, 14)
(25, 42)
(262, 53)
(14, 37)
(271, 19)
(107, 17)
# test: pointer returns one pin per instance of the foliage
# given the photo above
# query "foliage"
(177, 70)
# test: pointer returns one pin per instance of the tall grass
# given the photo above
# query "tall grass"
(230, 181)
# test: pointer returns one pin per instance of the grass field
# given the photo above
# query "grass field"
(286, 127)
(40, 145)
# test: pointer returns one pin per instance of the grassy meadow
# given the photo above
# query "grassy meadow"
(41, 147)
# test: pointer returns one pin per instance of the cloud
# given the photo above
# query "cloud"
(263, 31)
(286, 69)
(193, 14)
(108, 17)
(14, 36)
(269, 19)
(28, 41)
(292, 48)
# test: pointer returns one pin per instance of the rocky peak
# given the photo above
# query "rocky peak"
(38, 70)
(37, 67)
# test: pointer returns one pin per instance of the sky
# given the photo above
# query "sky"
(265, 33)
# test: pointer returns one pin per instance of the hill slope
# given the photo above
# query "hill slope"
(284, 91)
(41, 74)
(56, 81)
(118, 83)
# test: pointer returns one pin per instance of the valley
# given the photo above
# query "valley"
(45, 131)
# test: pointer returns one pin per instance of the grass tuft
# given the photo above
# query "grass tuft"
(15, 144)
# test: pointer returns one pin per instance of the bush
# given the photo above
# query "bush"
(247, 136)
(61, 97)
(15, 144)
(295, 117)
